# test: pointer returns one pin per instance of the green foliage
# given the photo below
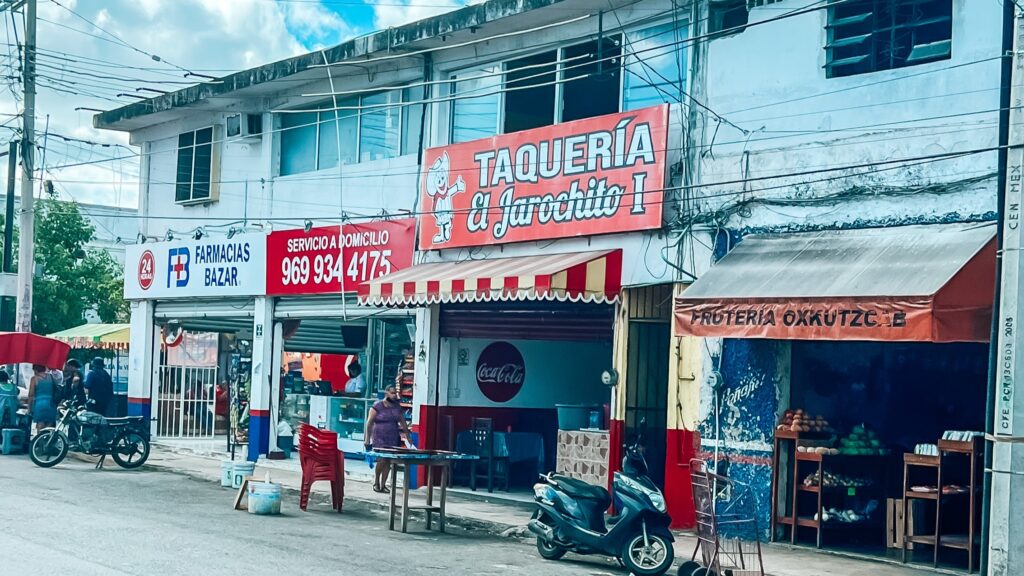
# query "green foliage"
(74, 279)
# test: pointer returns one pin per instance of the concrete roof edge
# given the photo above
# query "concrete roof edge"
(366, 45)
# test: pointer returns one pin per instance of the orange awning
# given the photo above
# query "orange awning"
(910, 283)
(576, 277)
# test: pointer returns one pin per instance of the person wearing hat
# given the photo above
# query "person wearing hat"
(99, 388)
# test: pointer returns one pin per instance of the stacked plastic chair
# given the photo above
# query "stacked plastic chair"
(321, 460)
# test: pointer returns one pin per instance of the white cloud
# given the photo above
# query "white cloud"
(389, 15)
(210, 36)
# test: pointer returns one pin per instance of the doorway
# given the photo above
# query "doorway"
(648, 344)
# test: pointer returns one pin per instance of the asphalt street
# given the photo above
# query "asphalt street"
(75, 520)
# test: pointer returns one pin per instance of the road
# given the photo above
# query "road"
(75, 520)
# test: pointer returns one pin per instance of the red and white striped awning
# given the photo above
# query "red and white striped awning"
(594, 277)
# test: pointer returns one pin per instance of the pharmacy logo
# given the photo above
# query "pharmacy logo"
(147, 270)
(177, 267)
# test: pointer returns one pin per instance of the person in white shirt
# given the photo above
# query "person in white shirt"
(356, 385)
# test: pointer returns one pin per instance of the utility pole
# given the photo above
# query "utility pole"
(26, 230)
(1004, 462)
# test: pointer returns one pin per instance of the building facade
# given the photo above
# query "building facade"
(772, 121)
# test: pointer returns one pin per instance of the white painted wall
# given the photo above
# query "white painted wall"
(556, 373)
(770, 81)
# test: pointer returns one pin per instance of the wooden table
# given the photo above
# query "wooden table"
(435, 462)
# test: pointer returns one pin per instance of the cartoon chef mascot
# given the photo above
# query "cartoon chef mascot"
(438, 189)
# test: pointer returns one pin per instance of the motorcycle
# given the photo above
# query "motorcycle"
(126, 440)
(570, 517)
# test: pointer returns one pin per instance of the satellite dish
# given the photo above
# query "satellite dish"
(610, 377)
(174, 334)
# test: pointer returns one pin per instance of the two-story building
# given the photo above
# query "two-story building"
(825, 172)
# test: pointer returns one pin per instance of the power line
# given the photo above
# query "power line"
(866, 167)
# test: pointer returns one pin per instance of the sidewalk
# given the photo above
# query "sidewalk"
(504, 519)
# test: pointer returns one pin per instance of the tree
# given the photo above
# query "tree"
(71, 279)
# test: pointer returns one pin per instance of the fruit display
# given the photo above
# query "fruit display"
(833, 480)
(799, 421)
(861, 442)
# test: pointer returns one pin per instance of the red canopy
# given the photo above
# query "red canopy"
(18, 347)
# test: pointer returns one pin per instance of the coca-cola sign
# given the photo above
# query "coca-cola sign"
(500, 372)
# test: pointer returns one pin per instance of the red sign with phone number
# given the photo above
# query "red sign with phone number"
(321, 260)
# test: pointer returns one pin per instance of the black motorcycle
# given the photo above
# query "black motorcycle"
(570, 517)
(126, 440)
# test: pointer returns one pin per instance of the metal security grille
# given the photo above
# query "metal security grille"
(186, 402)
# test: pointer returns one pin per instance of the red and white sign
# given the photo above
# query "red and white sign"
(595, 176)
(500, 372)
(147, 270)
(322, 260)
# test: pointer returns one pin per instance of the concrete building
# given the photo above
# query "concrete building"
(115, 226)
(778, 121)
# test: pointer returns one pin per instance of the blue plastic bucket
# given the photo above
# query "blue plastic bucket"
(227, 468)
(264, 498)
(240, 471)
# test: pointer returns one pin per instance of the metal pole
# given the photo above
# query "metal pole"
(26, 243)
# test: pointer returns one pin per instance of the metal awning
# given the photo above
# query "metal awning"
(910, 283)
(593, 277)
(95, 336)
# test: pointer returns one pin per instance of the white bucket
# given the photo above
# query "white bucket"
(264, 498)
(240, 471)
(227, 468)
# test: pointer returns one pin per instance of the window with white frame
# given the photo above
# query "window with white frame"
(655, 66)
(198, 160)
(561, 85)
(372, 127)
(871, 35)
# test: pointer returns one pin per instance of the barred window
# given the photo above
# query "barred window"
(871, 35)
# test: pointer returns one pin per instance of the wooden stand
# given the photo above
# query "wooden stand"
(973, 451)
(790, 477)
(433, 466)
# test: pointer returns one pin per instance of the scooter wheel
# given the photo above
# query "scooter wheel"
(654, 559)
(549, 550)
(688, 568)
(704, 572)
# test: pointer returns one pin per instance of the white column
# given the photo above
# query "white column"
(262, 366)
(140, 359)
(275, 381)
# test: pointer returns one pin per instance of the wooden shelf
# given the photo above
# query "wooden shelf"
(960, 447)
(922, 495)
(922, 460)
(788, 521)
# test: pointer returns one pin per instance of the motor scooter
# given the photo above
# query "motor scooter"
(570, 517)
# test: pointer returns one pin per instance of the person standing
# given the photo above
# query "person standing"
(74, 383)
(42, 398)
(384, 428)
(8, 401)
(99, 388)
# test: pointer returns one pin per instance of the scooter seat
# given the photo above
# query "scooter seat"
(581, 490)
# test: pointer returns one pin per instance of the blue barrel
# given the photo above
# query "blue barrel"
(264, 498)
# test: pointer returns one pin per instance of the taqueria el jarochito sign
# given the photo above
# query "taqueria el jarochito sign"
(595, 176)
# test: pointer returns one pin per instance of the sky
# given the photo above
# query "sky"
(92, 50)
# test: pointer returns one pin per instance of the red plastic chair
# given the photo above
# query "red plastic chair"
(321, 461)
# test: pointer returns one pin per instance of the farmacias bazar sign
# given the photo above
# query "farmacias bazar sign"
(596, 176)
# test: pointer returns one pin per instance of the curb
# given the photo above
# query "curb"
(460, 522)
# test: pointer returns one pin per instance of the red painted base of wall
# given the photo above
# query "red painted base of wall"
(681, 447)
